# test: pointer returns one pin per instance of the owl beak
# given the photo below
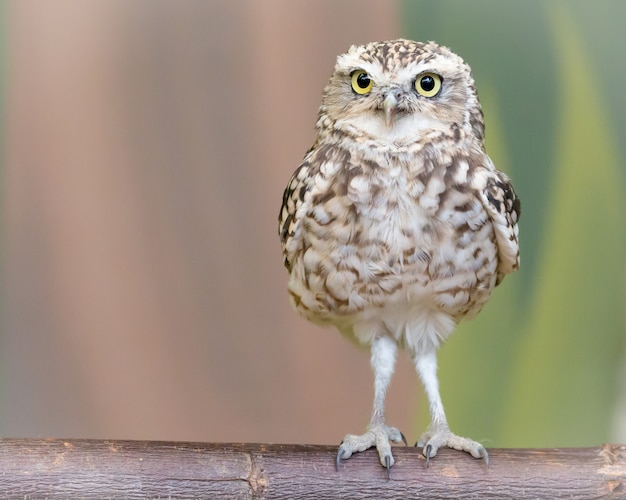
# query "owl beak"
(390, 105)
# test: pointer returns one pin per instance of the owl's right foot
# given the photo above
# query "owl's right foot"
(379, 436)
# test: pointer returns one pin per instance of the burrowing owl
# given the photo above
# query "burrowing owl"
(397, 225)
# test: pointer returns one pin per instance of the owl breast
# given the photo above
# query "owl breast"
(401, 234)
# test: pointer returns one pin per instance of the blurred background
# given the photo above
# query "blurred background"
(146, 145)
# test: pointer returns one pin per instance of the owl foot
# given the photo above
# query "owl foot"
(379, 436)
(434, 438)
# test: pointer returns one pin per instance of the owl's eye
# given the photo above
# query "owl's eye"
(428, 84)
(361, 82)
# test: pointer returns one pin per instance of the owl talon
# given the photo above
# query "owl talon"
(340, 456)
(403, 437)
(388, 465)
(427, 452)
(484, 455)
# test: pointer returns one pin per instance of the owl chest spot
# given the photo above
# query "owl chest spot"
(389, 223)
(391, 239)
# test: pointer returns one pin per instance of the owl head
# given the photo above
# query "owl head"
(400, 90)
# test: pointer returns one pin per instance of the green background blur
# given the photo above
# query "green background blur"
(543, 359)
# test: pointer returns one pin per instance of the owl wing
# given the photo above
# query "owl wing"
(504, 209)
(288, 223)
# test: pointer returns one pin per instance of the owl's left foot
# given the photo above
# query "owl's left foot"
(434, 438)
(379, 436)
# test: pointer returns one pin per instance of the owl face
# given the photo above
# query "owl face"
(400, 89)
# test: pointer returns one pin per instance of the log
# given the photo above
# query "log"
(55, 468)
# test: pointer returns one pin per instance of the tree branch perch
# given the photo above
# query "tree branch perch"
(42, 468)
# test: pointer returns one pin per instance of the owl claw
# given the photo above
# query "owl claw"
(340, 455)
(388, 465)
(484, 455)
(403, 437)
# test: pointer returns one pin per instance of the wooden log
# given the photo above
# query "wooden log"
(54, 468)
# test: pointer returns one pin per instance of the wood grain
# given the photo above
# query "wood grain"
(55, 468)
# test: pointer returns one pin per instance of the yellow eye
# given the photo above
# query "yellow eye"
(361, 82)
(428, 84)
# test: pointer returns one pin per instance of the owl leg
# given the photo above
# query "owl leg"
(438, 433)
(378, 433)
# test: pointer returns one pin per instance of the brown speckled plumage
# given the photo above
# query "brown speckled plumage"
(395, 231)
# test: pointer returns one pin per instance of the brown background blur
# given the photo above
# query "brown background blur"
(147, 146)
